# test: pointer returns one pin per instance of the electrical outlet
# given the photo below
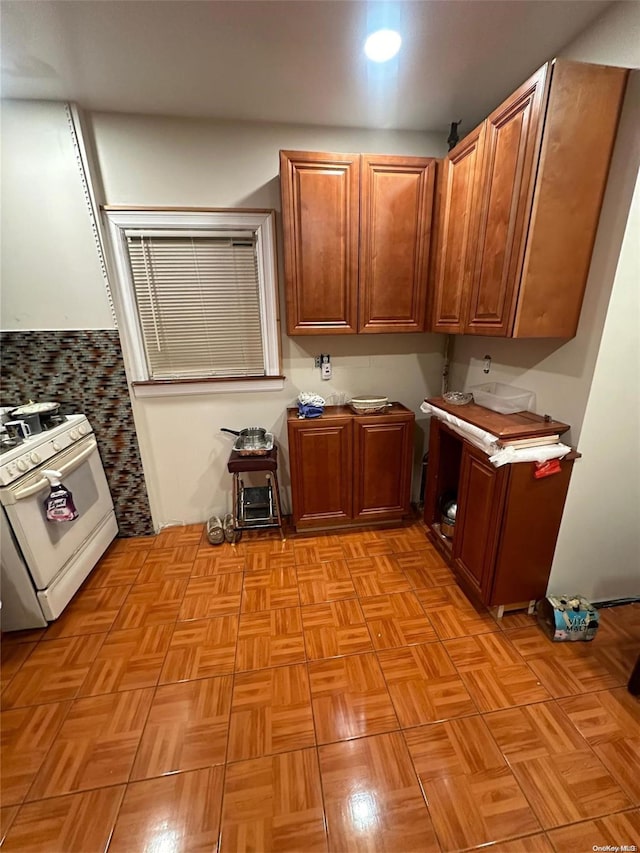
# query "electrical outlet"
(325, 368)
(317, 361)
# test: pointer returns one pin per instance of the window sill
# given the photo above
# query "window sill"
(188, 387)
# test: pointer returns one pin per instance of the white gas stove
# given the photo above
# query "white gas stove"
(44, 562)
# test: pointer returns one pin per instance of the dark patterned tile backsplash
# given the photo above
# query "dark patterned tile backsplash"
(84, 372)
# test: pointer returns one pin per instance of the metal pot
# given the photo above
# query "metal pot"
(449, 507)
(51, 419)
(31, 419)
(39, 416)
(256, 433)
(247, 446)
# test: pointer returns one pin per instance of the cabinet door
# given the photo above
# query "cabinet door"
(443, 478)
(457, 233)
(530, 525)
(480, 499)
(579, 134)
(320, 454)
(320, 201)
(396, 206)
(383, 451)
(510, 161)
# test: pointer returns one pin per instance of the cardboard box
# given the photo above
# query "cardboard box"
(567, 618)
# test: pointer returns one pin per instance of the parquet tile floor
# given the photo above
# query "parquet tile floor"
(326, 693)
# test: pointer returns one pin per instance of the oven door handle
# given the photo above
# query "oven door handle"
(42, 483)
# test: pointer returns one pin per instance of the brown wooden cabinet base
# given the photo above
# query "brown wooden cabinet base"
(348, 470)
(507, 520)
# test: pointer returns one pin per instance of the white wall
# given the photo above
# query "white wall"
(613, 39)
(180, 162)
(598, 551)
(51, 276)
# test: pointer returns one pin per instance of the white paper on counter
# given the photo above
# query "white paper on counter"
(478, 437)
(488, 442)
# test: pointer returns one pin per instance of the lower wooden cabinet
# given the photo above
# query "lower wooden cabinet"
(507, 520)
(382, 466)
(477, 524)
(321, 452)
(349, 469)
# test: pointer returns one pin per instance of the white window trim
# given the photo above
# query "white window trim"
(263, 224)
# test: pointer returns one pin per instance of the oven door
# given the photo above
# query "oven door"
(48, 546)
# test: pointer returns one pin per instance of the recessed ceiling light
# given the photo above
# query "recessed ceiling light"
(382, 45)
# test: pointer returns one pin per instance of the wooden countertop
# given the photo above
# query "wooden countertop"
(518, 425)
(347, 412)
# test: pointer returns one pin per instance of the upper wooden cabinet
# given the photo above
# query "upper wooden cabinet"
(320, 218)
(512, 141)
(356, 241)
(396, 205)
(457, 232)
(520, 203)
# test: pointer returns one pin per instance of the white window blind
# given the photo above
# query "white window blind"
(198, 300)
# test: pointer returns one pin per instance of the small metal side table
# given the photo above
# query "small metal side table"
(256, 507)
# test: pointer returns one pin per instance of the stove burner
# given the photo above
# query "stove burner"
(46, 423)
(52, 421)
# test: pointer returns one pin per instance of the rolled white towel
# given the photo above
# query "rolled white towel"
(542, 453)
(309, 399)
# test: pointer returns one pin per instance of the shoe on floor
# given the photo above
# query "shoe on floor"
(215, 533)
(230, 533)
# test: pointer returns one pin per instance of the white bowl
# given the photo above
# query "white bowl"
(366, 402)
(369, 405)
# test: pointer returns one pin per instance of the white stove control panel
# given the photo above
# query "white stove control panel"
(16, 462)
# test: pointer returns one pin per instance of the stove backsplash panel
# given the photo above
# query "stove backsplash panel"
(84, 372)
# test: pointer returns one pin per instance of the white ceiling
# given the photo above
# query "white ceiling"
(294, 61)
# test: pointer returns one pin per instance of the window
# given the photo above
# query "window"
(196, 298)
